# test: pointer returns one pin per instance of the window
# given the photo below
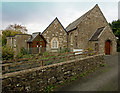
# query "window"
(11, 42)
(75, 41)
(54, 43)
(71, 38)
(96, 47)
(37, 44)
(41, 39)
(14, 42)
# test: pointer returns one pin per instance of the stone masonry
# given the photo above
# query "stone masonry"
(82, 29)
(18, 41)
(55, 30)
(36, 79)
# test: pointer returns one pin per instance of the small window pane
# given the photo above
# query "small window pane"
(54, 43)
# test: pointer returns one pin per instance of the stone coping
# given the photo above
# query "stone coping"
(7, 75)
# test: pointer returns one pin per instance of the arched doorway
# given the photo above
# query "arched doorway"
(108, 47)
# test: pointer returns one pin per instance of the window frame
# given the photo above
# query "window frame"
(54, 43)
(14, 42)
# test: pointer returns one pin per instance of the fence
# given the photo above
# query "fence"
(22, 64)
(35, 50)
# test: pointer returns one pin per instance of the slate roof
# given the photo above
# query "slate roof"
(33, 36)
(96, 34)
(75, 23)
(18, 34)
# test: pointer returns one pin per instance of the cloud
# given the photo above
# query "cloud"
(37, 16)
(60, 0)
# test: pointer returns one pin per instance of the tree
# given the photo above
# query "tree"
(12, 30)
(6, 33)
(17, 28)
(115, 25)
(7, 53)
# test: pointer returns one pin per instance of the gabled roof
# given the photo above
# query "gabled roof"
(96, 34)
(51, 24)
(75, 23)
(33, 36)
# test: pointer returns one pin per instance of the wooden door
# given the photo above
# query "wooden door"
(107, 47)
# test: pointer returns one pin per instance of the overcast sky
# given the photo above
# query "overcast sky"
(36, 16)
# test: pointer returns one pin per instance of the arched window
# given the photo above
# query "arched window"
(72, 38)
(54, 43)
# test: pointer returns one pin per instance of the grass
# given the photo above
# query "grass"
(48, 89)
(102, 65)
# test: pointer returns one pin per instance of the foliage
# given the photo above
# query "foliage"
(19, 55)
(89, 49)
(46, 53)
(48, 89)
(115, 25)
(12, 30)
(0, 46)
(102, 65)
(7, 53)
(63, 50)
(17, 27)
(28, 56)
(83, 74)
(22, 53)
(6, 33)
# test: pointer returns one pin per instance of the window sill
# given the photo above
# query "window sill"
(54, 48)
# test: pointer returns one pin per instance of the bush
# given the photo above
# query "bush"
(19, 55)
(102, 65)
(118, 49)
(63, 50)
(23, 52)
(28, 56)
(7, 53)
(46, 53)
(89, 49)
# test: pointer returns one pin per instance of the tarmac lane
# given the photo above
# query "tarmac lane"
(103, 79)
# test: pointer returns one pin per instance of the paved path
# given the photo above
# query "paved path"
(103, 79)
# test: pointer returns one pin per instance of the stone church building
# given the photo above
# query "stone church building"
(91, 30)
(56, 36)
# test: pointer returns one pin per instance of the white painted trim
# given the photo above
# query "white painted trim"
(57, 43)
(92, 34)
(102, 31)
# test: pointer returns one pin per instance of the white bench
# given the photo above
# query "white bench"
(79, 51)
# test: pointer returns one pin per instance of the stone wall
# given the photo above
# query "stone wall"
(87, 27)
(18, 41)
(37, 79)
(108, 35)
(21, 41)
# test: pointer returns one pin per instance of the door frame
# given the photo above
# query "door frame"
(110, 47)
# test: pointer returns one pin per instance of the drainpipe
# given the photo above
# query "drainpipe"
(67, 39)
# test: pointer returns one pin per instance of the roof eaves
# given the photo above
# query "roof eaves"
(95, 35)
(80, 19)
(62, 26)
(48, 25)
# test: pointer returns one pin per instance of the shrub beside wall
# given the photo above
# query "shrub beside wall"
(37, 79)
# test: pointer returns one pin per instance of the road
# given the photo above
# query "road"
(103, 79)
